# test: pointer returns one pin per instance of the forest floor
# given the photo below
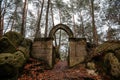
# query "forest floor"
(34, 71)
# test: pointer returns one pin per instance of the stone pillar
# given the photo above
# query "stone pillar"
(77, 51)
(42, 49)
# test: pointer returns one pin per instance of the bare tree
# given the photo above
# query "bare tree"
(24, 18)
(47, 11)
(1, 20)
(95, 36)
(38, 29)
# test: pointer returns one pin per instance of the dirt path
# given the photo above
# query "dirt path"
(59, 72)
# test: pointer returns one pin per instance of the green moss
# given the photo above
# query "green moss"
(8, 71)
(91, 65)
(117, 54)
(107, 47)
(6, 58)
(19, 59)
(6, 46)
(25, 51)
(114, 64)
(14, 37)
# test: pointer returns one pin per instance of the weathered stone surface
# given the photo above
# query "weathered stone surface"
(77, 51)
(91, 65)
(6, 46)
(6, 58)
(25, 51)
(43, 47)
(63, 27)
(19, 59)
(109, 58)
(113, 63)
(16, 60)
(107, 46)
(14, 37)
(14, 52)
(43, 50)
(10, 64)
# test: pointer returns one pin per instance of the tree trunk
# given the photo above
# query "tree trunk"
(82, 26)
(52, 15)
(47, 11)
(53, 23)
(38, 29)
(23, 19)
(1, 27)
(74, 25)
(95, 36)
(13, 21)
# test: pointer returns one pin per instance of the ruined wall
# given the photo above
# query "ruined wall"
(77, 52)
(42, 49)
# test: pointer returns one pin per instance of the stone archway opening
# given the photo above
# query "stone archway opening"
(61, 45)
(61, 34)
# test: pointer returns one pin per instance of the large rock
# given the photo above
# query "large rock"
(17, 59)
(107, 47)
(107, 56)
(25, 51)
(14, 37)
(113, 64)
(6, 46)
(10, 64)
(8, 72)
(14, 52)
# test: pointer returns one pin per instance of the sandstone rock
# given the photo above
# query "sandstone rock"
(19, 59)
(14, 37)
(91, 65)
(6, 46)
(106, 47)
(25, 51)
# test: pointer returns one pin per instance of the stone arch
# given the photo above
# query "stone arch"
(63, 27)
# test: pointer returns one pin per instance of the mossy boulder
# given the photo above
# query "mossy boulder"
(10, 64)
(117, 54)
(91, 65)
(6, 58)
(107, 57)
(113, 63)
(107, 47)
(19, 59)
(6, 46)
(14, 37)
(25, 51)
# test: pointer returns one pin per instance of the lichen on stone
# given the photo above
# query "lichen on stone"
(25, 51)
(14, 37)
(6, 46)
(19, 59)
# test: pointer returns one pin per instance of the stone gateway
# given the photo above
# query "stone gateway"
(42, 48)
